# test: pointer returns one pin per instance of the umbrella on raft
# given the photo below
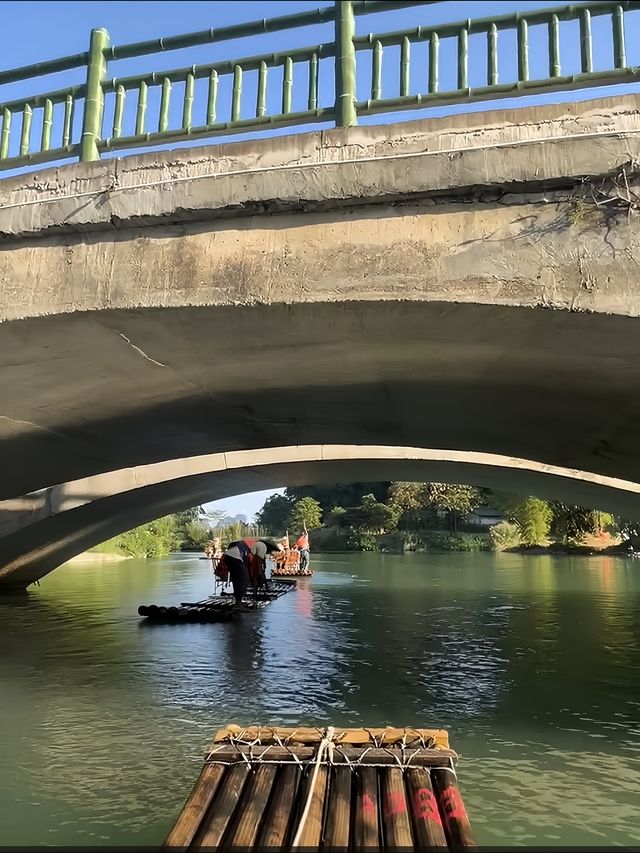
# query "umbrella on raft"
(273, 544)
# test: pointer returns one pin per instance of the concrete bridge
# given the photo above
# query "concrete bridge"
(465, 284)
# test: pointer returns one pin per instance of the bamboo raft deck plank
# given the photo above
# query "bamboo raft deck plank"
(273, 788)
(215, 608)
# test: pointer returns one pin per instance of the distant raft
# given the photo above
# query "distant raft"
(325, 789)
(287, 565)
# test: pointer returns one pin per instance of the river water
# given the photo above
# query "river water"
(532, 663)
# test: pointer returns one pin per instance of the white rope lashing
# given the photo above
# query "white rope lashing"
(325, 744)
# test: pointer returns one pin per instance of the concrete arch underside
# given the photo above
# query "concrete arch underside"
(90, 511)
(87, 393)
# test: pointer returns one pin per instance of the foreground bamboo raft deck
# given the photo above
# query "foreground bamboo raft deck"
(333, 789)
(216, 608)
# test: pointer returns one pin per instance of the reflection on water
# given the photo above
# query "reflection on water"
(531, 662)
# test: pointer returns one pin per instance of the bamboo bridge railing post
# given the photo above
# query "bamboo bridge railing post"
(94, 97)
(345, 64)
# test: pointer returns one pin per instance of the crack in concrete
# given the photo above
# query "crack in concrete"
(141, 352)
(31, 424)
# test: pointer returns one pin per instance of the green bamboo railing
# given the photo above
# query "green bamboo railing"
(178, 104)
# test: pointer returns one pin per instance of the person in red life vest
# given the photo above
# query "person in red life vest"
(302, 544)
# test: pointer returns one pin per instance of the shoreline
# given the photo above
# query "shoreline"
(96, 557)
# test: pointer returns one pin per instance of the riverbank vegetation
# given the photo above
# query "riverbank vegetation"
(402, 516)
(394, 517)
(182, 531)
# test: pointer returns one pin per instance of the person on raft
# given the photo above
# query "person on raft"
(235, 560)
(302, 545)
(258, 565)
(246, 564)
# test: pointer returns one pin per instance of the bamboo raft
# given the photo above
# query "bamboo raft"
(325, 789)
(287, 565)
(215, 608)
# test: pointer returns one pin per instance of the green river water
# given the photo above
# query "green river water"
(532, 663)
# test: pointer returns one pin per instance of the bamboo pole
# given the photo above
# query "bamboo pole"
(463, 58)
(452, 809)
(252, 807)
(427, 823)
(196, 806)
(523, 49)
(187, 107)
(163, 118)
(619, 50)
(212, 97)
(25, 135)
(395, 809)
(311, 834)
(434, 51)
(261, 98)
(6, 134)
(141, 109)
(217, 821)
(94, 98)
(554, 47)
(67, 124)
(345, 64)
(277, 818)
(236, 95)
(405, 66)
(338, 809)
(376, 71)
(287, 85)
(118, 111)
(366, 834)
(312, 101)
(586, 50)
(47, 121)
(492, 56)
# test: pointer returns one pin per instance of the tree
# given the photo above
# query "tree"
(455, 500)
(337, 517)
(573, 523)
(338, 494)
(155, 539)
(196, 533)
(408, 498)
(377, 517)
(307, 512)
(276, 514)
(533, 517)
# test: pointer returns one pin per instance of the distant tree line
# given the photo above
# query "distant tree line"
(180, 531)
(366, 510)
(361, 515)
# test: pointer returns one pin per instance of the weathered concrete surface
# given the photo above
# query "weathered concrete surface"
(184, 303)
(89, 511)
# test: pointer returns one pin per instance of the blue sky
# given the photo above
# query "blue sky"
(36, 31)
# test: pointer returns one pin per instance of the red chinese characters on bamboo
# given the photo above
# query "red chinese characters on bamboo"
(452, 805)
(425, 806)
(395, 804)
